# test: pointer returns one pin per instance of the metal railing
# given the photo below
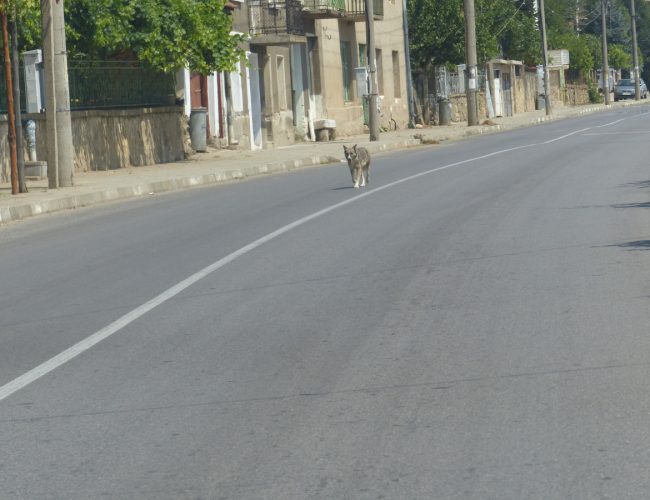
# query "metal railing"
(324, 6)
(276, 17)
(108, 84)
(358, 7)
(3, 90)
(118, 84)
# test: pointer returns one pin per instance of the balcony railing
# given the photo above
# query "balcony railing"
(342, 8)
(358, 7)
(327, 8)
(276, 17)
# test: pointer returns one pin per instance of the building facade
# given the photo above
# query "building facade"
(305, 69)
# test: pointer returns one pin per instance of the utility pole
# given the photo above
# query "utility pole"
(605, 62)
(60, 152)
(373, 111)
(409, 76)
(635, 54)
(547, 86)
(470, 59)
(11, 123)
(18, 116)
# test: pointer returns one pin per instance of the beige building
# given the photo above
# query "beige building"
(341, 49)
(304, 58)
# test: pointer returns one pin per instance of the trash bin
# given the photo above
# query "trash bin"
(198, 129)
(541, 102)
(444, 112)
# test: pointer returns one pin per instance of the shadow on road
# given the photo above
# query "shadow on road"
(639, 184)
(634, 245)
(632, 205)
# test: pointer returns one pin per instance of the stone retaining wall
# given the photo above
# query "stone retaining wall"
(112, 139)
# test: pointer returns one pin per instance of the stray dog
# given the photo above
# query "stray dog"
(359, 163)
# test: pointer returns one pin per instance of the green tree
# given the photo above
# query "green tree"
(618, 57)
(165, 34)
(503, 28)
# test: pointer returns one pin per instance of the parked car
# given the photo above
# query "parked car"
(624, 89)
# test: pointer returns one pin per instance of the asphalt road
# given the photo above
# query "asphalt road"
(474, 325)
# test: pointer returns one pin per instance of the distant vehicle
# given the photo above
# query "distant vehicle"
(625, 89)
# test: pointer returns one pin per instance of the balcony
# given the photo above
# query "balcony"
(351, 10)
(276, 22)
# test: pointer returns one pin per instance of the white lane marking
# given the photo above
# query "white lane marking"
(619, 133)
(72, 352)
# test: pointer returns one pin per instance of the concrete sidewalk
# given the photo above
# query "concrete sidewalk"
(219, 166)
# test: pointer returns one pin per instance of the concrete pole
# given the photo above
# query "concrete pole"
(547, 83)
(50, 95)
(409, 76)
(470, 58)
(60, 156)
(605, 62)
(373, 111)
(635, 54)
(63, 120)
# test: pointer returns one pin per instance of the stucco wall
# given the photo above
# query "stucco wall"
(111, 139)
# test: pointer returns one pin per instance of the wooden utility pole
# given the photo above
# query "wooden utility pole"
(470, 59)
(635, 54)
(11, 125)
(547, 83)
(373, 109)
(18, 119)
(605, 62)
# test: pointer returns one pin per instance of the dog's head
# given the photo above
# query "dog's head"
(350, 153)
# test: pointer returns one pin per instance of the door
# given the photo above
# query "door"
(199, 95)
(498, 103)
(507, 94)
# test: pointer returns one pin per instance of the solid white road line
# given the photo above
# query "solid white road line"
(85, 344)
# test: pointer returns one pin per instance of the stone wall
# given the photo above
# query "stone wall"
(525, 92)
(459, 107)
(577, 95)
(112, 139)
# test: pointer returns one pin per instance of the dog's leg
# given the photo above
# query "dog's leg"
(355, 177)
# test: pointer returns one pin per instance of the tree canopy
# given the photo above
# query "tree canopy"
(165, 34)
(509, 29)
(503, 28)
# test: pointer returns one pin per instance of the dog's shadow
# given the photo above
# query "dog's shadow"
(340, 188)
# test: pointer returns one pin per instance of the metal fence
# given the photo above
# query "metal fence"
(449, 82)
(3, 90)
(108, 84)
(118, 84)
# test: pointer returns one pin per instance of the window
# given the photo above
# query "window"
(282, 85)
(346, 70)
(363, 57)
(397, 87)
